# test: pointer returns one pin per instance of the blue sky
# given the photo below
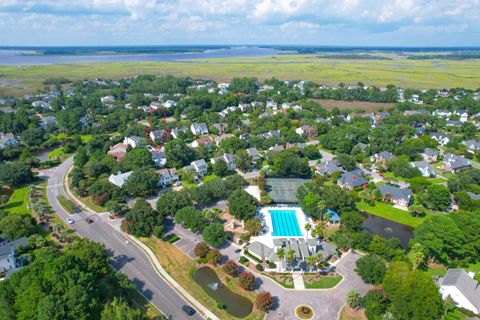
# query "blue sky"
(314, 22)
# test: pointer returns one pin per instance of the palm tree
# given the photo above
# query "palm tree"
(353, 298)
(280, 253)
(321, 206)
(290, 255)
(311, 262)
(318, 259)
(308, 227)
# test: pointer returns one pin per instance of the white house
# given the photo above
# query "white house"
(441, 138)
(441, 113)
(472, 145)
(168, 176)
(463, 114)
(119, 179)
(199, 128)
(107, 99)
(169, 103)
(462, 288)
(200, 166)
(132, 141)
(175, 131)
(424, 168)
(228, 159)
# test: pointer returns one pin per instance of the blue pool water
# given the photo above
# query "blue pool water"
(285, 223)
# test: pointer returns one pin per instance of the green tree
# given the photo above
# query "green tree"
(214, 234)
(16, 226)
(142, 183)
(242, 205)
(353, 299)
(220, 168)
(14, 174)
(191, 219)
(371, 269)
(170, 202)
(375, 304)
(254, 226)
(243, 160)
(417, 255)
(119, 310)
(142, 219)
(438, 197)
(137, 158)
(178, 153)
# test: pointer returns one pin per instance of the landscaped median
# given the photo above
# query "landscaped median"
(180, 267)
(386, 211)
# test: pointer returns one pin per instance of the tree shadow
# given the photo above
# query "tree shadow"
(147, 293)
(120, 261)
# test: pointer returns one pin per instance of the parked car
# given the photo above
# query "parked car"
(188, 310)
(238, 250)
(88, 220)
(70, 220)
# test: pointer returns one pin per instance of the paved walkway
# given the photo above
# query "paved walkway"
(298, 282)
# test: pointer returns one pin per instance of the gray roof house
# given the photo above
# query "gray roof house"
(400, 197)
(472, 145)
(119, 179)
(424, 168)
(200, 166)
(429, 155)
(455, 163)
(227, 158)
(8, 255)
(271, 134)
(199, 128)
(329, 167)
(382, 156)
(253, 152)
(462, 288)
(441, 138)
(7, 140)
(352, 179)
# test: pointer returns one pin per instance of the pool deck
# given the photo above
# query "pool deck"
(266, 237)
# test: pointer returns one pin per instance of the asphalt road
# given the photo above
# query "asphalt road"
(127, 257)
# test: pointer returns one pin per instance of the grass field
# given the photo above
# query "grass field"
(386, 211)
(18, 201)
(323, 282)
(353, 105)
(348, 313)
(18, 80)
(180, 266)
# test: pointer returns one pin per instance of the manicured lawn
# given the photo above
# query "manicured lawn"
(282, 279)
(439, 270)
(209, 177)
(180, 267)
(390, 175)
(65, 203)
(89, 203)
(324, 282)
(348, 313)
(86, 137)
(437, 180)
(386, 211)
(18, 201)
(455, 315)
(58, 154)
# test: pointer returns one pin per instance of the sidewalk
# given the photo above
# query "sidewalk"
(298, 281)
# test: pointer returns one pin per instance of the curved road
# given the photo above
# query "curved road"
(127, 257)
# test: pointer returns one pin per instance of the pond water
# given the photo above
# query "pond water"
(236, 305)
(43, 155)
(387, 228)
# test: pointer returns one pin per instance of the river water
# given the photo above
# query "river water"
(19, 58)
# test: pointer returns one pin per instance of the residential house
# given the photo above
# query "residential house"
(158, 157)
(429, 155)
(400, 197)
(442, 113)
(254, 154)
(159, 136)
(424, 168)
(168, 176)
(119, 179)
(441, 138)
(155, 106)
(462, 288)
(132, 141)
(169, 103)
(41, 104)
(47, 121)
(463, 114)
(472, 145)
(8, 256)
(204, 140)
(107, 99)
(453, 123)
(227, 158)
(176, 131)
(352, 179)
(199, 128)
(272, 105)
(118, 151)
(362, 147)
(6, 109)
(7, 140)
(329, 167)
(382, 156)
(276, 148)
(271, 134)
(455, 163)
(200, 166)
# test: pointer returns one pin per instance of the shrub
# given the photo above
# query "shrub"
(259, 267)
(231, 268)
(272, 265)
(201, 250)
(247, 280)
(243, 259)
(264, 301)
(213, 256)
(371, 269)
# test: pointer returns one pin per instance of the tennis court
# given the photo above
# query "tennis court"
(283, 190)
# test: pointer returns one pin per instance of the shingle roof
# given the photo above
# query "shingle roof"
(469, 287)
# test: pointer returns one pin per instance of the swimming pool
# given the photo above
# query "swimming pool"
(285, 223)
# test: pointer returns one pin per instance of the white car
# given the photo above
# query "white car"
(70, 220)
